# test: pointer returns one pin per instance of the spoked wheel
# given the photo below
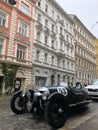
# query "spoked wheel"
(18, 103)
(56, 111)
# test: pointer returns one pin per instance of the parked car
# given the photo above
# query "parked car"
(92, 90)
(53, 101)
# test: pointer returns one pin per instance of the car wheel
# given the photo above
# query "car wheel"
(56, 111)
(18, 103)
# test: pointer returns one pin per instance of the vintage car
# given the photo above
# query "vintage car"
(53, 101)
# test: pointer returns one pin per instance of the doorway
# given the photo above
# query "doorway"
(1, 84)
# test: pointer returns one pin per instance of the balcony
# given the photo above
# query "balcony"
(60, 53)
(61, 36)
(53, 33)
(47, 30)
(39, 25)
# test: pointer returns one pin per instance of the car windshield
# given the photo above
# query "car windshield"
(63, 84)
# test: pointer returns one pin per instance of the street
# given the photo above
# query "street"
(84, 119)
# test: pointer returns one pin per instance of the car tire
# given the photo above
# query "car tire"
(56, 111)
(17, 109)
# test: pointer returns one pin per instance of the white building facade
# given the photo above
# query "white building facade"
(53, 51)
(85, 55)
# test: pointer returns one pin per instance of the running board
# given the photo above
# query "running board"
(80, 103)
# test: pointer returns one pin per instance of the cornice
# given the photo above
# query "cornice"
(61, 10)
(77, 20)
(4, 34)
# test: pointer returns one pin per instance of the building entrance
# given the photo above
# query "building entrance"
(1, 84)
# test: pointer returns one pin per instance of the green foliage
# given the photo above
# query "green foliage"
(9, 71)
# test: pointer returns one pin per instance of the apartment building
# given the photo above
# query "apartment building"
(53, 53)
(96, 46)
(85, 55)
(16, 38)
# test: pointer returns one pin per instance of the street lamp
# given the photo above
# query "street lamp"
(12, 2)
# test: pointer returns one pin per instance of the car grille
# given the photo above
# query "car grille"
(93, 90)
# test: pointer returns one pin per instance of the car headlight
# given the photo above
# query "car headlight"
(44, 95)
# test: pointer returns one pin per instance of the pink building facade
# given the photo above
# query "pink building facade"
(16, 39)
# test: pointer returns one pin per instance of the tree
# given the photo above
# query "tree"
(9, 71)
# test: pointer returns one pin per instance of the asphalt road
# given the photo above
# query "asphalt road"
(79, 119)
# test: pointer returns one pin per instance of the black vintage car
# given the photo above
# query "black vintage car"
(53, 101)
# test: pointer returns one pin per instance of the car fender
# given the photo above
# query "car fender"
(57, 94)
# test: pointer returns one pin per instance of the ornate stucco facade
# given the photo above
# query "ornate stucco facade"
(16, 38)
(96, 46)
(49, 45)
(54, 60)
(85, 55)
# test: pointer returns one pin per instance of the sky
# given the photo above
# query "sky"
(85, 10)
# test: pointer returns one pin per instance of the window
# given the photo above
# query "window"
(46, 22)
(46, 8)
(1, 45)
(58, 62)
(61, 30)
(37, 55)
(23, 28)
(56, 29)
(71, 40)
(63, 78)
(46, 40)
(61, 45)
(39, 3)
(67, 50)
(67, 26)
(58, 17)
(52, 44)
(45, 57)
(67, 37)
(2, 19)
(68, 64)
(79, 74)
(63, 63)
(52, 13)
(39, 18)
(21, 51)
(40, 81)
(24, 8)
(38, 36)
(70, 29)
(52, 27)
(72, 66)
(52, 60)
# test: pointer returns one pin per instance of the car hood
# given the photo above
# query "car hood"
(92, 87)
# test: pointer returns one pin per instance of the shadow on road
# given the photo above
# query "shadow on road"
(77, 111)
